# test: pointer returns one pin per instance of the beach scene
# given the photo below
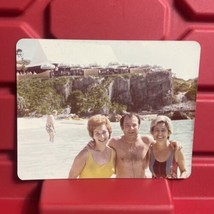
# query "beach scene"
(117, 78)
(41, 159)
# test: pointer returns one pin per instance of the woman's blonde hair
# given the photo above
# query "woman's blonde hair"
(96, 121)
(161, 119)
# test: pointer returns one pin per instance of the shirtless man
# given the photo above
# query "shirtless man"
(132, 149)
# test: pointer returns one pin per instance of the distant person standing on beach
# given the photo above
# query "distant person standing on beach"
(99, 161)
(50, 128)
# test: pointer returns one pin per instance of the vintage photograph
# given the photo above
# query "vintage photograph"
(105, 108)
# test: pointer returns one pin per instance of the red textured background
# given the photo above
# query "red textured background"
(111, 20)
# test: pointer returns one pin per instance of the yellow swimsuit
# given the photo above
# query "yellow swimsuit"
(95, 170)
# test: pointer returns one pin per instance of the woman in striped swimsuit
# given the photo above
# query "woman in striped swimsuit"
(164, 160)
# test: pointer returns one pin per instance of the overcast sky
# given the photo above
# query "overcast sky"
(181, 56)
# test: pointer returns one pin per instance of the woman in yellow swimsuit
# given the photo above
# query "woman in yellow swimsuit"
(97, 162)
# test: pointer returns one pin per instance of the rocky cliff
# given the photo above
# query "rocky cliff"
(150, 91)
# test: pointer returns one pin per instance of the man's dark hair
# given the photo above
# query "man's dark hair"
(130, 115)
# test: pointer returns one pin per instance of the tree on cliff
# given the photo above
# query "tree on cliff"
(38, 96)
(188, 87)
(77, 99)
(91, 102)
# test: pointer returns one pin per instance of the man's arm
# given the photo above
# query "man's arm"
(113, 142)
(175, 146)
(148, 139)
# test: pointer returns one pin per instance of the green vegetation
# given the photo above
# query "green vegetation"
(179, 85)
(94, 100)
(189, 87)
(40, 96)
(21, 61)
(192, 91)
(90, 102)
(117, 108)
(37, 96)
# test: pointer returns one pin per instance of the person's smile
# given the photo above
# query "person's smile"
(102, 140)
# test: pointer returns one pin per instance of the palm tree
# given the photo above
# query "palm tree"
(19, 54)
(20, 61)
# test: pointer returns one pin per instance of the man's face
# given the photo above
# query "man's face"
(130, 126)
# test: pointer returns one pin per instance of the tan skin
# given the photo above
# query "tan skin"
(132, 150)
(162, 148)
(101, 153)
(50, 121)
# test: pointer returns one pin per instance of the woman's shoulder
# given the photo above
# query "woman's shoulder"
(83, 154)
(111, 150)
(178, 153)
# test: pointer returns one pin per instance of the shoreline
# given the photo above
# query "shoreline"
(40, 159)
(34, 122)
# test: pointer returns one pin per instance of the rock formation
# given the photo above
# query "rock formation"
(138, 92)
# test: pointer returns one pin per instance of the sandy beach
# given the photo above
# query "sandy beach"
(40, 159)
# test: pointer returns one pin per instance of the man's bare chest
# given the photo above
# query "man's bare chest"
(131, 153)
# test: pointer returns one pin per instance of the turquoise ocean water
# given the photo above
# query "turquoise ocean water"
(40, 159)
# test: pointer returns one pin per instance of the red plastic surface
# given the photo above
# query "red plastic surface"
(112, 19)
(16, 196)
(106, 196)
